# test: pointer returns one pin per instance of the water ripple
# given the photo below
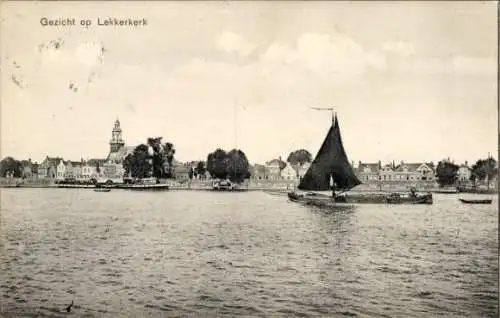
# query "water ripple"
(177, 254)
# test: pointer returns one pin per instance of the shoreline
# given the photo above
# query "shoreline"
(246, 189)
(278, 186)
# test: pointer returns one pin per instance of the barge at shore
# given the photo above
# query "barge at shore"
(331, 170)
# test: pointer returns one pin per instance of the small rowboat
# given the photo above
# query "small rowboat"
(102, 190)
(485, 201)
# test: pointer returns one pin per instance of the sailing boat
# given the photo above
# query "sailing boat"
(331, 170)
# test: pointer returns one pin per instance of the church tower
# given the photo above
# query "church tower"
(116, 141)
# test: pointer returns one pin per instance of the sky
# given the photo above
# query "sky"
(411, 81)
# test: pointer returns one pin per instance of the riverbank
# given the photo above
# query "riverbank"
(251, 185)
(192, 185)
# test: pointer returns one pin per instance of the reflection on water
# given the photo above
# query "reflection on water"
(206, 254)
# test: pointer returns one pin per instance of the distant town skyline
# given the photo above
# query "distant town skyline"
(409, 81)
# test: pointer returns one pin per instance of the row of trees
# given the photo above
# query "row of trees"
(153, 159)
(447, 172)
(232, 165)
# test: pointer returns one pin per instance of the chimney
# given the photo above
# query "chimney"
(466, 162)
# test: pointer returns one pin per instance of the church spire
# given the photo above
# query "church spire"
(116, 141)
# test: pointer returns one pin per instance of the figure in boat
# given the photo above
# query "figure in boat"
(331, 170)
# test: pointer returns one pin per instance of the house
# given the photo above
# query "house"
(77, 170)
(288, 173)
(273, 169)
(464, 174)
(48, 167)
(61, 170)
(414, 172)
(182, 172)
(27, 169)
(258, 172)
(368, 171)
(386, 173)
(87, 172)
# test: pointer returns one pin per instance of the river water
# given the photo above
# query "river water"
(206, 254)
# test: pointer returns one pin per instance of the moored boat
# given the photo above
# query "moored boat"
(144, 187)
(146, 184)
(477, 201)
(223, 185)
(227, 185)
(102, 189)
(331, 171)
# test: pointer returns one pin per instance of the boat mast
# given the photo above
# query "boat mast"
(332, 179)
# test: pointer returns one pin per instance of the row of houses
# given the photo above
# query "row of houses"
(276, 169)
(59, 169)
(412, 172)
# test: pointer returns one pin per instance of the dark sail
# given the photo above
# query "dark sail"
(331, 160)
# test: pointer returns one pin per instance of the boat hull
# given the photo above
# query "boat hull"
(323, 200)
(487, 201)
(144, 187)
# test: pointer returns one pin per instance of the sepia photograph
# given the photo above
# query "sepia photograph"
(249, 159)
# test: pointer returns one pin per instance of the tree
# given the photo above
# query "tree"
(484, 168)
(238, 166)
(446, 173)
(138, 163)
(217, 164)
(157, 157)
(168, 155)
(233, 165)
(200, 169)
(10, 166)
(299, 157)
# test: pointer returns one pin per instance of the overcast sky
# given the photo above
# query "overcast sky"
(409, 81)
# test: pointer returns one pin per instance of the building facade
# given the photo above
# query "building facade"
(288, 173)
(368, 171)
(48, 168)
(464, 174)
(404, 172)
